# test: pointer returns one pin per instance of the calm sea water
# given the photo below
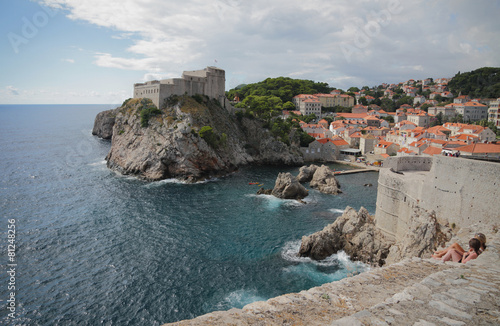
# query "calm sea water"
(94, 247)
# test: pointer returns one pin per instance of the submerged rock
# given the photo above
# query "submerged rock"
(288, 187)
(324, 180)
(263, 191)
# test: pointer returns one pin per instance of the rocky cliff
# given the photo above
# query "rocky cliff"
(357, 234)
(187, 139)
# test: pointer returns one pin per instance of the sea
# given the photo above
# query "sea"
(93, 247)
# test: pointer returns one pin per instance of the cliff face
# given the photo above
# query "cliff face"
(188, 140)
(103, 124)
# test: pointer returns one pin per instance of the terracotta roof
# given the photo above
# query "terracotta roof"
(406, 150)
(384, 144)
(472, 103)
(480, 148)
(340, 142)
(352, 115)
(431, 150)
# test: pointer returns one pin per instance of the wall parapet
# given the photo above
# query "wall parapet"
(407, 163)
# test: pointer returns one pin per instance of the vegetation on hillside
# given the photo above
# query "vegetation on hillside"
(284, 88)
(480, 83)
(147, 110)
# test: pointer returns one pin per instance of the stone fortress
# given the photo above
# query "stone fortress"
(210, 81)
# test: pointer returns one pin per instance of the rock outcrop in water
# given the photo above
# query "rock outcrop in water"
(187, 139)
(356, 234)
(306, 173)
(324, 180)
(320, 178)
(287, 187)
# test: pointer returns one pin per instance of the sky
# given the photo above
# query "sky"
(93, 51)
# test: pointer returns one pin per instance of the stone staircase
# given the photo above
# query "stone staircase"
(412, 292)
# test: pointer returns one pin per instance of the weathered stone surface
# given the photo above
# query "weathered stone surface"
(287, 187)
(324, 180)
(354, 232)
(103, 124)
(170, 146)
(306, 173)
(424, 234)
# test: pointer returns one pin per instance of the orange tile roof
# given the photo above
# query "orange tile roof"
(406, 150)
(477, 104)
(352, 115)
(480, 148)
(431, 150)
(340, 142)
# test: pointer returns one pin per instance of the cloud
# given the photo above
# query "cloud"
(69, 60)
(11, 90)
(368, 41)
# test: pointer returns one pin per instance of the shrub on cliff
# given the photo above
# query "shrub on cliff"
(147, 113)
(212, 139)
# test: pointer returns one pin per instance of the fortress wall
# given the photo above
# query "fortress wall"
(210, 81)
(396, 199)
(464, 191)
(459, 190)
(149, 90)
(415, 163)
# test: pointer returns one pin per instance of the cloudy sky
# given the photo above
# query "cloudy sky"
(92, 51)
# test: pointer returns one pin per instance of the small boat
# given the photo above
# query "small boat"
(253, 183)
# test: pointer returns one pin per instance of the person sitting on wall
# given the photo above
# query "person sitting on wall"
(472, 253)
(455, 246)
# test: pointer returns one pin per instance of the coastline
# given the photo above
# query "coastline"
(413, 291)
(358, 165)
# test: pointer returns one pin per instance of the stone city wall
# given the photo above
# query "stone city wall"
(459, 190)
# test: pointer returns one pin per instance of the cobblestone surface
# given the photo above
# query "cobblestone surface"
(412, 292)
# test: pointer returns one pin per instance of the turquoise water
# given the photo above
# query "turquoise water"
(94, 247)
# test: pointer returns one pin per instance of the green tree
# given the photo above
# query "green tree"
(363, 100)
(289, 106)
(388, 105)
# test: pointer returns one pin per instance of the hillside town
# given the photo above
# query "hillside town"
(436, 123)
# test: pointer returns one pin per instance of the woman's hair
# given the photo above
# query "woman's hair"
(475, 244)
(482, 238)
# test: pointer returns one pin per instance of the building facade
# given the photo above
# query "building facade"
(210, 81)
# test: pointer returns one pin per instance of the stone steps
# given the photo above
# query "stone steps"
(412, 292)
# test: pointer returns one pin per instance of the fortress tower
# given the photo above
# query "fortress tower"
(210, 81)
